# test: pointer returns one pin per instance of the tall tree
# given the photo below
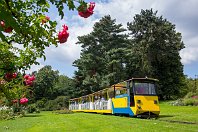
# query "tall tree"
(157, 44)
(101, 62)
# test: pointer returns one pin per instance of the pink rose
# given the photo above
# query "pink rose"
(26, 76)
(29, 80)
(63, 35)
(89, 11)
(23, 100)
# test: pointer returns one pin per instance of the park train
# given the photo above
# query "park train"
(134, 97)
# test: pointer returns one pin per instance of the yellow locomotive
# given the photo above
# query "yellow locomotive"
(133, 97)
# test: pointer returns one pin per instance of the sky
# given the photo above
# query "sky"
(182, 13)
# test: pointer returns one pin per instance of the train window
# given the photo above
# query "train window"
(117, 92)
(121, 91)
(104, 95)
(145, 88)
(124, 91)
(111, 94)
(152, 89)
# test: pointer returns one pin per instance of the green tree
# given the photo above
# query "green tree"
(157, 44)
(44, 84)
(102, 59)
(64, 86)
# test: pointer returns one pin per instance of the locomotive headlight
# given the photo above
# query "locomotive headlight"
(155, 101)
(138, 101)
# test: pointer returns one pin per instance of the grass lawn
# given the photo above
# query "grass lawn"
(179, 113)
(85, 122)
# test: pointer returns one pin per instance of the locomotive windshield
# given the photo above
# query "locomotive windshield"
(144, 88)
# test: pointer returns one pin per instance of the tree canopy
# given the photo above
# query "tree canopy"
(49, 84)
(158, 44)
(44, 84)
(151, 49)
(101, 62)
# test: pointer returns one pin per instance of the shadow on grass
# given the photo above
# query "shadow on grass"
(164, 116)
(174, 121)
(33, 115)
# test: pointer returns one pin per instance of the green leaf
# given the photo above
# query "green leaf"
(70, 4)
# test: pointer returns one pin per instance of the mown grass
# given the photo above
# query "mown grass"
(178, 113)
(85, 122)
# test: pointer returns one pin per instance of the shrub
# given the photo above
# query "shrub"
(3, 101)
(195, 97)
(32, 108)
(191, 101)
(57, 104)
(62, 101)
(65, 111)
(52, 105)
(16, 109)
(190, 95)
(4, 108)
(40, 104)
(178, 102)
(6, 114)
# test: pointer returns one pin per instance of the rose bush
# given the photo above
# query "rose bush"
(29, 28)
